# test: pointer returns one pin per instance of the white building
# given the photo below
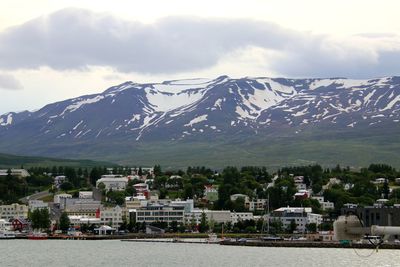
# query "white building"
(241, 216)
(13, 211)
(113, 182)
(37, 204)
(216, 216)
(15, 172)
(5, 225)
(111, 216)
(79, 220)
(59, 180)
(325, 205)
(301, 216)
(61, 198)
(86, 194)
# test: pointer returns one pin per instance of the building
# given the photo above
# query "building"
(325, 205)
(241, 216)
(237, 196)
(15, 172)
(59, 180)
(256, 204)
(113, 182)
(38, 204)
(78, 220)
(111, 216)
(83, 207)
(211, 193)
(5, 225)
(301, 216)
(215, 216)
(162, 210)
(10, 212)
(60, 198)
(376, 215)
(20, 224)
(86, 194)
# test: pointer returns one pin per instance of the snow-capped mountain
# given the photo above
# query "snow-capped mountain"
(202, 109)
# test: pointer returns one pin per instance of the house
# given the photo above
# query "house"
(19, 224)
(302, 194)
(211, 193)
(9, 212)
(331, 182)
(104, 230)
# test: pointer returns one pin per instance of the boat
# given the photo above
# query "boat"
(37, 236)
(212, 238)
(7, 235)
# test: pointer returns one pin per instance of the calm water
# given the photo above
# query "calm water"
(117, 253)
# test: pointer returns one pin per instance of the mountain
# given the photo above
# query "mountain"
(217, 122)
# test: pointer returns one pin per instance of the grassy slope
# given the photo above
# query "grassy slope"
(9, 161)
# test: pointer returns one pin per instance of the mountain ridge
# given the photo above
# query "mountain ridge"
(256, 110)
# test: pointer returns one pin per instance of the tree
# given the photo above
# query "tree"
(64, 222)
(40, 219)
(66, 186)
(203, 226)
(292, 226)
(94, 176)
(311, 227)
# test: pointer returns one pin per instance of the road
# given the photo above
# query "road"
(35, 196)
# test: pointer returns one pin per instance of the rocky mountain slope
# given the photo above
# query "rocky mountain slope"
(218, 115)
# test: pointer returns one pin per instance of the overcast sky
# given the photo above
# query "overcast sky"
(53, 50)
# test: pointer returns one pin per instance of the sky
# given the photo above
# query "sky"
(55, 50)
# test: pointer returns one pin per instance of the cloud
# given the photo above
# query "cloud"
(78, 39)
(9, 82)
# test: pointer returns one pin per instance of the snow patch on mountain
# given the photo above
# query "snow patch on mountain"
(197, 120)
(6, 121)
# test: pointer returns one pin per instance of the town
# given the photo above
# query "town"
(299, 203)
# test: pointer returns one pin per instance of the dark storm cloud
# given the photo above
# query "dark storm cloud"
(77, 39)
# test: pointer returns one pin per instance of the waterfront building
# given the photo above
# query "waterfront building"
(301, 216)
(111, 216)
(241, 216)
(9, 212)
(83, 207)
(376, 215)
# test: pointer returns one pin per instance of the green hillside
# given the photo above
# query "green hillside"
(13, 161)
